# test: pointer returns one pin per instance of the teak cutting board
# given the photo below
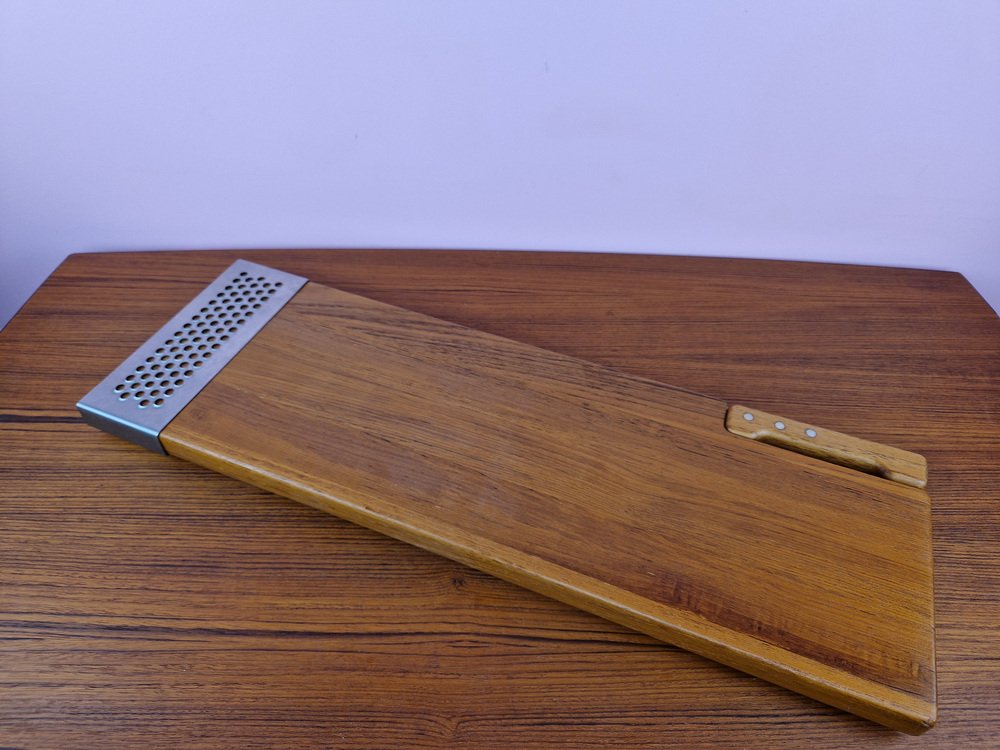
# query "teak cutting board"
(625, 497)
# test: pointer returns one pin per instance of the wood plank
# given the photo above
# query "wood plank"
(622, 496)
(147, 602)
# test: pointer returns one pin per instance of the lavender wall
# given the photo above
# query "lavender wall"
(845, 130)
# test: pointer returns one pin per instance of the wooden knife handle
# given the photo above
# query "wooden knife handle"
(836, 447)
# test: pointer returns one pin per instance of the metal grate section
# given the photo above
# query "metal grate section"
(140, 397)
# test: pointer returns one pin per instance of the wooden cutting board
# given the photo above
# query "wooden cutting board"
(625, 497)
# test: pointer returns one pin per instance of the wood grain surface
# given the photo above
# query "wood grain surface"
(622, 496)
(146, 601)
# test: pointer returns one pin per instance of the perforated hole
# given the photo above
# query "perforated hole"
(169, 364)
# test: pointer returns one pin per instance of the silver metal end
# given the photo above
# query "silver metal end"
(140, 397)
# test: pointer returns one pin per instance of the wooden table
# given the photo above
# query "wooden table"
(147, 603)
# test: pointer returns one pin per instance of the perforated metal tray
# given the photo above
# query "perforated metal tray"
(145, 392)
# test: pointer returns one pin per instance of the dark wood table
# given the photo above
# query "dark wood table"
(147, 603)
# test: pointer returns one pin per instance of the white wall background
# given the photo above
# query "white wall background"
(843, 130)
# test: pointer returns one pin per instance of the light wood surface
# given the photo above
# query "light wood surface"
(622, 496)
(147, 602)
(874, 458)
